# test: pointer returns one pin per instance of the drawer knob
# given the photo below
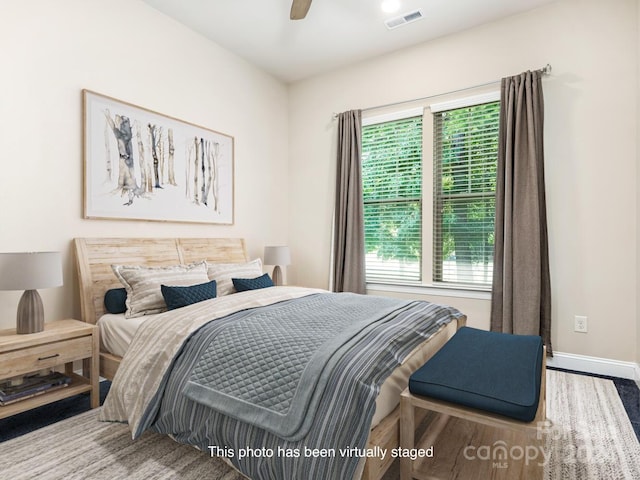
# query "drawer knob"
(50, 356)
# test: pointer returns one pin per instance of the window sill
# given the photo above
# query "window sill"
(437, 290)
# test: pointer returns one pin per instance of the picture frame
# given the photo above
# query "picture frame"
(143, 165)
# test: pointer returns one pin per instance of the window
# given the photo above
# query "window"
(465, 161)
(441, 225)
(392, 190)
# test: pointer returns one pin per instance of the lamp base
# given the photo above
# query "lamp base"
(276, 276)
(30, 317)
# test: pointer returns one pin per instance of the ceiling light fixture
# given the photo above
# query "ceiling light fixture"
(390, 6)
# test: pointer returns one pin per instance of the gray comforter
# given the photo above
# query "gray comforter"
(329, 418)
(288, 391)
(270, 366)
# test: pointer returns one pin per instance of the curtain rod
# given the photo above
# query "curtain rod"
(546, 70)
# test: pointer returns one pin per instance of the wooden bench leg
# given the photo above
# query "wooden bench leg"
(407, 435)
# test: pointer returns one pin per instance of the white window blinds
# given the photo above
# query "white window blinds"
(465, 159)
(392, 190)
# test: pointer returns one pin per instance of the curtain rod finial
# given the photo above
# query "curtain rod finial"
(546, 70)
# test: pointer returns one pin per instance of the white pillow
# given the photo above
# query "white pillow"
(222, 273)
(143, 284)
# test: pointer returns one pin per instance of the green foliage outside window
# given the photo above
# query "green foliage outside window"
(465, 157)
(466, 152)
(392, 190)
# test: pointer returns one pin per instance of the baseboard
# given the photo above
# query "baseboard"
(598, 366)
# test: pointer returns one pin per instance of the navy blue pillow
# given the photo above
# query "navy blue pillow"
(115, 300)
(176, 297)
(244, 284)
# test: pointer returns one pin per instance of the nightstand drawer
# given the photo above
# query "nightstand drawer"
(26, 360)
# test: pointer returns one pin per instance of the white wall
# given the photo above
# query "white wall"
(638, 189)
(591, 157)
(49, 52)
(125, 49)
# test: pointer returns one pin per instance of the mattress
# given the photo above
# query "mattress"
(117, 332)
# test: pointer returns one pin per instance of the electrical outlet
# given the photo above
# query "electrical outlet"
(580, 324)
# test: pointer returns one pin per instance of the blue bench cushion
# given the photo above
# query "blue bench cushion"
(491, 371)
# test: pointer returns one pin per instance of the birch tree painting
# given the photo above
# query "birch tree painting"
(142, 165)
(203, 156)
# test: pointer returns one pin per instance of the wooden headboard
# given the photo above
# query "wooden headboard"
(94, 257)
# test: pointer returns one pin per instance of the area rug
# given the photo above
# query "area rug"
(589, 437)
(82, 448)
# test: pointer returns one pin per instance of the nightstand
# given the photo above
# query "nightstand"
(61, 343)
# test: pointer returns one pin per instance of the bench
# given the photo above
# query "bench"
(492, 379)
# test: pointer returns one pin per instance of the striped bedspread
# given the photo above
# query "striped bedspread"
(270, 366)
(345, 406)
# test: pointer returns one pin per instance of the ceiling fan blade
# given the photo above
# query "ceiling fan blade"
(299, 9)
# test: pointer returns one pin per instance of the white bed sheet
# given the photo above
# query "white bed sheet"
(116, 331)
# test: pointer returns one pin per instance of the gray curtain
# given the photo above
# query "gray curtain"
(348, 231)
(521, 296)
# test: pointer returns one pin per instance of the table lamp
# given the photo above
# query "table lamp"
(30, 271)
(277, 256)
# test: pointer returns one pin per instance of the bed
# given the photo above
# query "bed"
(95, 256)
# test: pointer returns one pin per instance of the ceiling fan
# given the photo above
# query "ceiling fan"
(299, 9)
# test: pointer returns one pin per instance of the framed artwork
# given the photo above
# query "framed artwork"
(142, 165)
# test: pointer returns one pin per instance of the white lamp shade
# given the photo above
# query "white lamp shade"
(30, 271)
(277, 256)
